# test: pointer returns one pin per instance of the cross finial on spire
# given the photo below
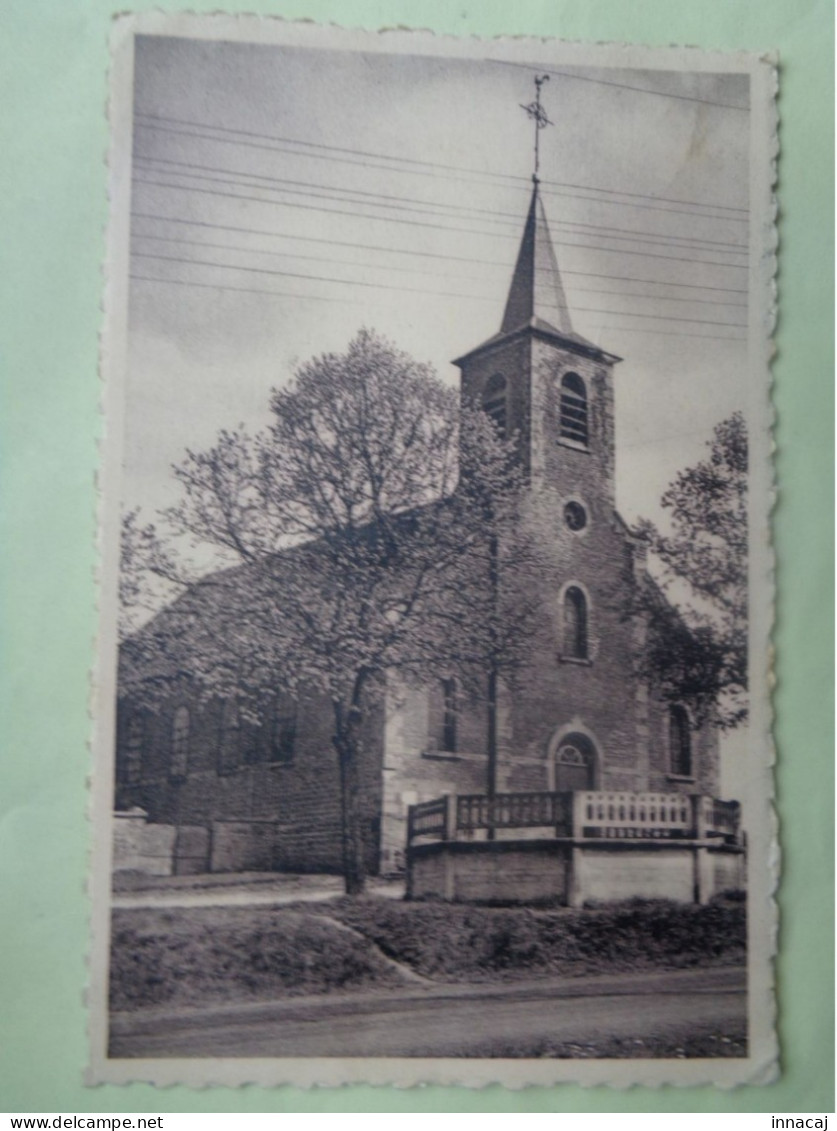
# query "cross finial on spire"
(538, 114)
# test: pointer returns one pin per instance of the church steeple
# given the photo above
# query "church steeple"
(536, 295)
(538, 379)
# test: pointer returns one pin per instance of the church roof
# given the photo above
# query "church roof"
(536, 299)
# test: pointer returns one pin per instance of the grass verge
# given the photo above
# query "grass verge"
(465, 943)
(201, 956)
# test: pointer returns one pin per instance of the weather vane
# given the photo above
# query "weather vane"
(537, 112)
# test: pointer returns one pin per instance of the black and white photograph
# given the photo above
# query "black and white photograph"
(432, 700)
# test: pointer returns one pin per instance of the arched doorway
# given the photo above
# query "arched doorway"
(574, 763)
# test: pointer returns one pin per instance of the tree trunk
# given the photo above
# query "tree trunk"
(347, 743)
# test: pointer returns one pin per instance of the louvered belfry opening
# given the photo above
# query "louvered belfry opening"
(573, 410)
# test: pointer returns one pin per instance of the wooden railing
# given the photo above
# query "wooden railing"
(475, 812)
(722, 819)
(602, 814)
(429, 818)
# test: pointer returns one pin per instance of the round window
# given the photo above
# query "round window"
(575, 516)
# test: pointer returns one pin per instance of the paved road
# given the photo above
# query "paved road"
(453, 1021)
(257, 889)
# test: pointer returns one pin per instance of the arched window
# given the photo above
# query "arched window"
(574, 763)
(283, 747)
(495, 402)
(680, 741)
(133, 750)
(575, 624)
(180, 743)
(572, 423)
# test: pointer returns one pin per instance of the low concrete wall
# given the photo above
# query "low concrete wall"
(646, 870)
(511, 874)
(141, 847)
(500, 871)
(729, 870)
(571, 871)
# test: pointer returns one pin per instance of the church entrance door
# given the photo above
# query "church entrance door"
(575, 763)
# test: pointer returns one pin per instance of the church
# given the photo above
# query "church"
(586, 718)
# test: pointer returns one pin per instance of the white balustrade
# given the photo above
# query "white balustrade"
(624, 815)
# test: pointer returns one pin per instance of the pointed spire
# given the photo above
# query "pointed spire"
(536, 294)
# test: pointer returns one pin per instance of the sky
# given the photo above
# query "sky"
(283, 197)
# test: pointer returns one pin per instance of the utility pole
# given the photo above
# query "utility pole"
(493, 582)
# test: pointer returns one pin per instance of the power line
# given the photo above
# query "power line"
(354, 302)
(333, 148)
(241, 290)
(429, 164)
(332, 193)
(412, 290)
(422, 253)
(296, 255)
(675, 334)
(638, 236)
(621, 85)
(416, 270)
(301, 275)
(341, 198)
(438, 227)
(365, 164)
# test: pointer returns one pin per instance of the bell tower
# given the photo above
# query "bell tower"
(538, 379)
(541, 381)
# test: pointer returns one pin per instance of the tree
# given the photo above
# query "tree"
(698, 643)
(147, 577)
(353, 540)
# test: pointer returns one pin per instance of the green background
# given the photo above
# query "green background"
(53, 139)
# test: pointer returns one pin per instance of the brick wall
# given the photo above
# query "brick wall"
(556, 463)
(513, 359)
(302, 795)
(413, 771)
